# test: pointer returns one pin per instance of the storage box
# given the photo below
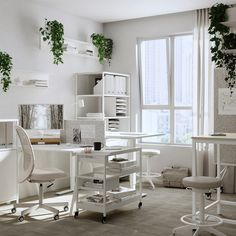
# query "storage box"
(173, 176)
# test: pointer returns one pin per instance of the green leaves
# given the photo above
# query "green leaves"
(54, 34)
(5, 70)
(104, 46)
(222, 40)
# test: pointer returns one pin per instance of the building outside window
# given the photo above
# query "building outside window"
(166, 74)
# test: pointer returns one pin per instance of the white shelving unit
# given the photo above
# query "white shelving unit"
(74, 47)
(8, 161)
(106, 94)
(102, 191)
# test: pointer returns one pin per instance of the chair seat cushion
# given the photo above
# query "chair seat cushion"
(202, 182)
(150, 152)
(46, 175)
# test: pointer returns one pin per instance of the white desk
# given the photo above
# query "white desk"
(229, 139)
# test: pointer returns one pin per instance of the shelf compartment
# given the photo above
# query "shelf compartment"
(109, 206)
(95, 181)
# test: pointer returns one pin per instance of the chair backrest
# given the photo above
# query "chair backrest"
(27, 164)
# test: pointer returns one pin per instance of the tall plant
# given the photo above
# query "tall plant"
(5, 70)
(104, 46)
(53, 33)
(222, 40)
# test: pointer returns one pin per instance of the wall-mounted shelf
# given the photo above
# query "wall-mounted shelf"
(75, 47)
(30, 79)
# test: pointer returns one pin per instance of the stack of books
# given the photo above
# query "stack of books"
(118, 164)
(121, 192)
(113, 124)
(98, 198)
(39, 83)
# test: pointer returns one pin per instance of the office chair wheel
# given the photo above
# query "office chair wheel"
(76, 215)
(13, 210)
(56, 217)
(103, 220)
(21, 218)
(140, 205)
(208, 196)
(66, 208)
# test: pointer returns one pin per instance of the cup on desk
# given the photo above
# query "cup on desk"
(88, 149)
(98, 146)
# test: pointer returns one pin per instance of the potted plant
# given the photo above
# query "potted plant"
(5, 70)
(53, 33)
(104, 46)
(222, 40)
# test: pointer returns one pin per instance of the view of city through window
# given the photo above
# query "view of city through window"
(166, 73)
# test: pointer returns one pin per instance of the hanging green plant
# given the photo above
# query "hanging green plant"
(104, 46)
(5, 70)
(53, 33)
(222, 40)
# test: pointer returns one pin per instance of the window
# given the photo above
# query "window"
(166, 81)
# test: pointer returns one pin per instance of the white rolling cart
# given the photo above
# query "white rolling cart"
(100, 183)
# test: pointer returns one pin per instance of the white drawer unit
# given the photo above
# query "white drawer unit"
(8, 162)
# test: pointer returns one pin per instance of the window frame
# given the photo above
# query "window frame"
(171, 87)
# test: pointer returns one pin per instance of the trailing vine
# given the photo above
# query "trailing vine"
(104, 46)
(54, 34)
(5, 70)
(222, 40)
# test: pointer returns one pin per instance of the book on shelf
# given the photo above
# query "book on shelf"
(121, 192)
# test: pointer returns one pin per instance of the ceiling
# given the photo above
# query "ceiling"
(116, 10)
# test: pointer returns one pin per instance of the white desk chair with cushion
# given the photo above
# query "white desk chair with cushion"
(30, 173)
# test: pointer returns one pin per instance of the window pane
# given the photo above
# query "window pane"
(183, 55)
(154, 68)
(156, 121)
(183, 126)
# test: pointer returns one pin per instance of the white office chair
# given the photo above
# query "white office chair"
(30, 173)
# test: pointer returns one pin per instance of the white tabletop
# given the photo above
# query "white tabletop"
(229, 137)
(130, 135)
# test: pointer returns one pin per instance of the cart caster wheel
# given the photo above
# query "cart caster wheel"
(13, 210)
(56, 217)
(221, 189)
(104, 219)
(66, 208)
(76, 215)
(208, 196)
(21, 218)
(140, 205)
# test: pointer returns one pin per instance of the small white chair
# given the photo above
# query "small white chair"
(40, 176)
(201, 221)
(147, 154)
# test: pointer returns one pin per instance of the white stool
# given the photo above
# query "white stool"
(201, 221)
(148, 154)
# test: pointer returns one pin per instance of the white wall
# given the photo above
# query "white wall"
(125, 35)
(19, 26)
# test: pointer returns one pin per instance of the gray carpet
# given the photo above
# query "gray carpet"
(161, 212)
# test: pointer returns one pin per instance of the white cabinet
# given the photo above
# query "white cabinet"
(8, 162)
(105, 95)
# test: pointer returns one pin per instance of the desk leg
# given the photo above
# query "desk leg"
(218, 176)
(194, 173)
(74, 200)
(132, 143)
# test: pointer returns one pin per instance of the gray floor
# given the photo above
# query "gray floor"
(161, 212)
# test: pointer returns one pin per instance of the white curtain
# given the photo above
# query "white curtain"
(203, 109)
